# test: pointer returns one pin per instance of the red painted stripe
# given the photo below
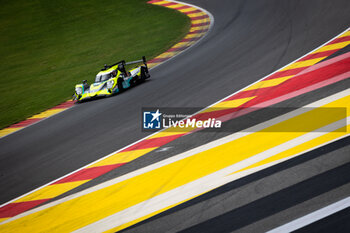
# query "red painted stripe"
(317, 55)
(340, 39)
(88, 173)
(66, 104)
(326, 63)
(192, 12)
(153, 142)
(25, 123)
(200, 24)
(190, 39)
(181, 7)
(199, 17)
(13, 209)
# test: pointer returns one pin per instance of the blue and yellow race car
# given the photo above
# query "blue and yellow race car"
(112, 79)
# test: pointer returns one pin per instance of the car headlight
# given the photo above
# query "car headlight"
(79, 90)
(110, 84)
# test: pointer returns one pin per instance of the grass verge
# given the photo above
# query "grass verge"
(47, 47)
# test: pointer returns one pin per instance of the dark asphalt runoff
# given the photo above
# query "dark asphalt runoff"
(249, 40)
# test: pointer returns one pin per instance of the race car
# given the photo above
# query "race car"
(112, 79)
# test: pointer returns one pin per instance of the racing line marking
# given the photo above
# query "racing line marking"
(313, 217)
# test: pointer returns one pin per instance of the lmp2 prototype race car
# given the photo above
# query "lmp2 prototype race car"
(112, 79)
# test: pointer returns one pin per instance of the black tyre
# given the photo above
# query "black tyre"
(120, 85)
(144, 73)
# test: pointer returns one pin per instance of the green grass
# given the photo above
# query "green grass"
(46, 47)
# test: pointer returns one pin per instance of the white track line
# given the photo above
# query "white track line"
(194, 151)
(312, 217)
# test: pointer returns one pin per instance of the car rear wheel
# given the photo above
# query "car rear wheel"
(120, 85)
(144, 74)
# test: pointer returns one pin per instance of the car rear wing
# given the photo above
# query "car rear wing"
(138, 61)
(128, 63)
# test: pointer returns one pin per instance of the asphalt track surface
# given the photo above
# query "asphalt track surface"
(249, 40)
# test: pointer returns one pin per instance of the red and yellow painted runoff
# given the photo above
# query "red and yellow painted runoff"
(36, 118)
(246, 98)
(115, 202)
(200, 24)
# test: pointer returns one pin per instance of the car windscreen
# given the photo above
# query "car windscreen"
(102, 77)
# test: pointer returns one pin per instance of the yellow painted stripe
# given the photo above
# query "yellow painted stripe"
(199, 28)
(165, 134)
(150, 65)
(333, 46)
(194, 35)
(160, 2)
(199, 21)
(48, 113)
(180, 44)
(173, 131)
(166, 54)
(345, 34)
(7, 131)
(187, 9)
(305, 63)
(84, 210)
(175, 6)
(228, 104)
(122, 157)
(196, 14)
(51, 191)
(268, 83)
